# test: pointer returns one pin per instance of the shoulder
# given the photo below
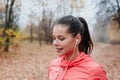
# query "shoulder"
(98, 73)
(54, 66)
(96, 70)
(56, 62)
(88, 61)
(93, 65)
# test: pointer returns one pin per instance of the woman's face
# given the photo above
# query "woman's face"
(63, 41)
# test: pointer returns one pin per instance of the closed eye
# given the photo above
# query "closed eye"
(61, 39)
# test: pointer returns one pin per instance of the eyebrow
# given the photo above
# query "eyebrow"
(59, 36)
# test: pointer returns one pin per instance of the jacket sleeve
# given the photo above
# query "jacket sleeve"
(98, 74)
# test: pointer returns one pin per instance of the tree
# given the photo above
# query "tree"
(109, 8)
(48, 12)
(31, 32)
(117, 15)
(8, 22)
(1, 13)
(46, 26)
(108, 12)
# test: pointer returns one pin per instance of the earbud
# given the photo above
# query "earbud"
(76, 41)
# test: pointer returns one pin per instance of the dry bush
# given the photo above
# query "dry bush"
(114, 32)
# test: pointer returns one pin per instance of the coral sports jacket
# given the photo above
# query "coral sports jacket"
(81, 68)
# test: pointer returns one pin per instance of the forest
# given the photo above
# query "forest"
(26, 48)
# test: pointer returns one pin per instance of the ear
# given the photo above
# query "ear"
(78, 38)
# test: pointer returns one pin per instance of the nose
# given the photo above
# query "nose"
(55, 42)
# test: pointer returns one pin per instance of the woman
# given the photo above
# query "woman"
(73, 45)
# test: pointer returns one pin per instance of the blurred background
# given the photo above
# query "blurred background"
(26, 35)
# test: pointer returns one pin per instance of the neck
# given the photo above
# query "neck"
(72, 56)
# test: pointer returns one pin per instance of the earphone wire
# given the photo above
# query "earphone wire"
(68, 62)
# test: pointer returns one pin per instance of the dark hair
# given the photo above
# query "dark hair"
(75, 26)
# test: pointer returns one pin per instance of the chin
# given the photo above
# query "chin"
(63, 54)
(60, 54)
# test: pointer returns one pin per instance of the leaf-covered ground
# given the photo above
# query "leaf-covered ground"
(29, 61)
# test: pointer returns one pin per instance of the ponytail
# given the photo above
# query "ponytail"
(86, 43)
(75, 26)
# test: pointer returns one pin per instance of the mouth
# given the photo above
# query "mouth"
(59, 49)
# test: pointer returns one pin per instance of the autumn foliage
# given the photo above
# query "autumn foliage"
(14, 37)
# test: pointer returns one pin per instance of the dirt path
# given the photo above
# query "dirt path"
(109, 57)
(30, 61)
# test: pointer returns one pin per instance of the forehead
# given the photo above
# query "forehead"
(60, 29)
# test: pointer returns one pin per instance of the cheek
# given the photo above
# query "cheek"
(69, 45)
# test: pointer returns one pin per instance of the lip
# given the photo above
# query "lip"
(59, 49)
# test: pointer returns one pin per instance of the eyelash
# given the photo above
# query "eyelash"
(61, 39)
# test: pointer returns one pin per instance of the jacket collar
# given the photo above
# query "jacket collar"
(82, 57)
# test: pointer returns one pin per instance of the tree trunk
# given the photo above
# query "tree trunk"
(8, 23)
(39, 36)
(31, 34)
(6, 44)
